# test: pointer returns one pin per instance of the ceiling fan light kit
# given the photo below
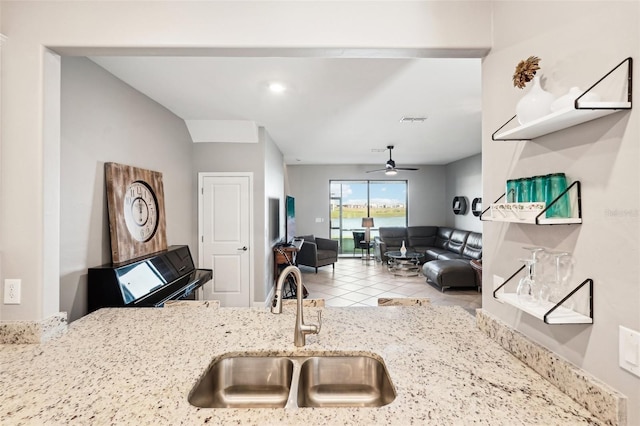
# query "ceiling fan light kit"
(390, 168)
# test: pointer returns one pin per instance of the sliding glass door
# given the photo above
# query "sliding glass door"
(352, 200)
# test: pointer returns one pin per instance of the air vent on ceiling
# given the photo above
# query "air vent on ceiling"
(413, 119)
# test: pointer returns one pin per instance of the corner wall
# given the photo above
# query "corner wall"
(273, 189)
(579, 42)
(239, 157)
(464, 178)
(103, 120)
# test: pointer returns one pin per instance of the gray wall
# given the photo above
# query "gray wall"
(464, 178)
(310, 187)
(102, 120)
(105, 120)
(242, 157)
(273, 189)
(579, 42)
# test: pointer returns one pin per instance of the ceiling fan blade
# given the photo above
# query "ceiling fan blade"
(390, 166)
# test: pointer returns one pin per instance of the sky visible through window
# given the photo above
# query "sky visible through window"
(382, 193)
(387, 205)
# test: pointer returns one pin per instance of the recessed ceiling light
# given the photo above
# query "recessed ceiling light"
(277, 87)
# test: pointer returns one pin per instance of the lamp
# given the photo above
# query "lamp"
(391, 172)
(367, 222)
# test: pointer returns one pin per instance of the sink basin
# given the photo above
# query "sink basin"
(255, 381)
(344, 381)
(244, 382)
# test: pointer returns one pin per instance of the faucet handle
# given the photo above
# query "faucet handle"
(319, 322)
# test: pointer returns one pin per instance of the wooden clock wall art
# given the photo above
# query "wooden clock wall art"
(135, 200)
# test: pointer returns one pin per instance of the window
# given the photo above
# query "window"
(351, 200)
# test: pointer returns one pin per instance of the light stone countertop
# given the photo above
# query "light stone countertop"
(137, 366)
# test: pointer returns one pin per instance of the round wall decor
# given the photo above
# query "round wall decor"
(476, 206)
(460, 205)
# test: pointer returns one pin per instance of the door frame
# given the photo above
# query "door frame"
(201, 177)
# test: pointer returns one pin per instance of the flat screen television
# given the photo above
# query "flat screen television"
(290, 223)
(274, 220)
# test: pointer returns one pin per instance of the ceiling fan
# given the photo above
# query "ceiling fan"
(390, 168)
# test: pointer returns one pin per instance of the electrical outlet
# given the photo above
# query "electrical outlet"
(629, 350)
(12, 291)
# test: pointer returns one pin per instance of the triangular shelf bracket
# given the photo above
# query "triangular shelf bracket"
(579, 113)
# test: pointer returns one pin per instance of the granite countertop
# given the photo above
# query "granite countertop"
(137, 366)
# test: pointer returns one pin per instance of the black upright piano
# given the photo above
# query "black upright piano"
(146, 282)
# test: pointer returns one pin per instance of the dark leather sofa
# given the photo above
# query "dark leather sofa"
(448, 252)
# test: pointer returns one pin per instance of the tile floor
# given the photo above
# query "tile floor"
(358, 283)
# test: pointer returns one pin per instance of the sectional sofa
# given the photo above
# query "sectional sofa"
(448, 252)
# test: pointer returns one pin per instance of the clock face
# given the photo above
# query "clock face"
(135, 201)
(140, 211)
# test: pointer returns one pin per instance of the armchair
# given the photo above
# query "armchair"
(317, 252)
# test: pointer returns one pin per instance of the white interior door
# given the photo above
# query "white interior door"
(225, 236)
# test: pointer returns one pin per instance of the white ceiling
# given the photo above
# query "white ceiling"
(334, 111)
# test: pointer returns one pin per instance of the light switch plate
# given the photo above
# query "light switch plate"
(629, 350)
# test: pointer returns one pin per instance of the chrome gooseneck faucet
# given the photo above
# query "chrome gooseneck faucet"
(301, 329)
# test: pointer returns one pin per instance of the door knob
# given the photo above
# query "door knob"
(243, 248)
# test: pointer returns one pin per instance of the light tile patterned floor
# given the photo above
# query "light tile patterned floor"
(358, 283)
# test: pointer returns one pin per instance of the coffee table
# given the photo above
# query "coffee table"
(406, 265)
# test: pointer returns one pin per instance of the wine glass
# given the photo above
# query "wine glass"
(563, 263)
(526, 287)
(539, 255)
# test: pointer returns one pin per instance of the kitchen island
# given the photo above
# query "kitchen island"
(137, 366)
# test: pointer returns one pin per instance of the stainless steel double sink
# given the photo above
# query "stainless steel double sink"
(258, 381)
